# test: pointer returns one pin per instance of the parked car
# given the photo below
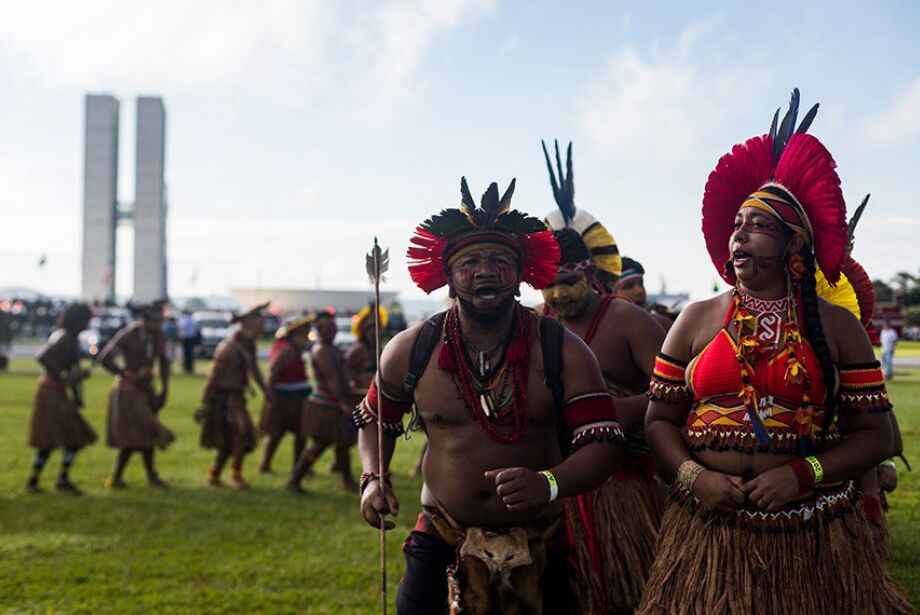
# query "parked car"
(214, 327)
(103, 326)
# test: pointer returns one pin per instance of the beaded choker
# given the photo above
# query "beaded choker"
(487, 402)
(763, 305)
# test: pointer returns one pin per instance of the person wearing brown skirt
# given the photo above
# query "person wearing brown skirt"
(327, 413)
(133, 424)
(225, 422)
(287, 377)
(56, 419)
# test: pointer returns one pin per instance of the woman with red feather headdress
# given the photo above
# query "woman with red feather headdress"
(767, 403)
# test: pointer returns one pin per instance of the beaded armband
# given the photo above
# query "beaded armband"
(390, 418)
(668, 384)
(592, 418)
(862, 387)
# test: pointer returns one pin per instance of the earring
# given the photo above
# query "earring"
(728, 269)
(795, 266)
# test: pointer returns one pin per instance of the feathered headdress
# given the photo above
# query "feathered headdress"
(441, 236)
(854, 290)
(791, 175)
(598, 239)
(367, 312)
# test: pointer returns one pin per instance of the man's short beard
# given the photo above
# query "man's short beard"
(487, 316)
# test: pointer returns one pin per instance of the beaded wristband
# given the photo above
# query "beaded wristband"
(553, 485)
(368, 477)
(687, 473)
(803, 474)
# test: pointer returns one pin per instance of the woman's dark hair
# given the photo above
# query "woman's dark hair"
(814, 331)
(75, 317)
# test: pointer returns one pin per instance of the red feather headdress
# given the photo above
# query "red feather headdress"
(788, 173)
(439, 237)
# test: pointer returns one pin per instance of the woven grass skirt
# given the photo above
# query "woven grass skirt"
(56, 422)
(327, 423)
(226, 425)
(816, 556)
(131, 422)
(625, 513)
(284, 416)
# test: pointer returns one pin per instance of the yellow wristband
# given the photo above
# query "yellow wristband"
(553, 486)
(816, 468)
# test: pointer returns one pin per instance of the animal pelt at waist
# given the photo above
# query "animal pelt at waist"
(497, 570)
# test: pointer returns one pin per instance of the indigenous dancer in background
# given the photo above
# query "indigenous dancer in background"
(225, 422)
(326, 415)
(287, 379)
(746, 413)
(613, 528)
(132, 424)
(631, 284)
(598, 239)
(361, 356)
(494, 460)
(56, 418)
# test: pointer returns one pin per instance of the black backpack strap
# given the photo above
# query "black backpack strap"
(422, 348)
(551, 332)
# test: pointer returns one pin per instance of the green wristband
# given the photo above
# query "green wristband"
(816, 468)
(553, 486)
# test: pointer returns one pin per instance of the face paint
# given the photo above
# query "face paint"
(568, 297)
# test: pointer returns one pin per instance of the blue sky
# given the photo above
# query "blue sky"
(298, 130)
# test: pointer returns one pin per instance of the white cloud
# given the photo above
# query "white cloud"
(160, 45)
(287, 50)
(656, 107)
(900, 123)
(396, 40)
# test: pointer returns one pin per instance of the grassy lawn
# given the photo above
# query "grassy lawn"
(907, 348)
(192, 549)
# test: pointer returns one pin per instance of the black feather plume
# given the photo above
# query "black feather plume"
(564, 187)
(488, 211)
(851, 225)
(552, 174)
(569, 181)
(773, 126)
(787, 126)
(808, 119)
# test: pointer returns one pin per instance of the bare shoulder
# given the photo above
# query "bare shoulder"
(394, 360)
(627, 313)
(695, 326)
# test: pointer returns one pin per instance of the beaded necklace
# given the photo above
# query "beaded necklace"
(759, 334)
(485, 402)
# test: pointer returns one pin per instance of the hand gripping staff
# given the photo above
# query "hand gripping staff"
(378, 261)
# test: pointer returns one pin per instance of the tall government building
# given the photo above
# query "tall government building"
(101, 210)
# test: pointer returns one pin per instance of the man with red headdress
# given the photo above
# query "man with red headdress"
(495, 467)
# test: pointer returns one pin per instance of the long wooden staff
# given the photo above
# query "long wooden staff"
(377, 263)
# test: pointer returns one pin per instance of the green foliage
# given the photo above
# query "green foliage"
(912, 315)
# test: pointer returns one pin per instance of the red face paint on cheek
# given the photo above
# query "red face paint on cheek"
(771, 231)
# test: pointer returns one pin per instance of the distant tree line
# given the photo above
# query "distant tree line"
(904, 290)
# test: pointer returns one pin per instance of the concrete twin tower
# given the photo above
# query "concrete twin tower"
(101, 210)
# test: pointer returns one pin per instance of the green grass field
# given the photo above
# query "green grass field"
(194, 549)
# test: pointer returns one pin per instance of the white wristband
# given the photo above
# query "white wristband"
(553, 486)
